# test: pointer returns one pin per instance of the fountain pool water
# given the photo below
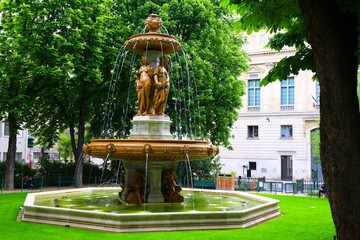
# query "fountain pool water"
(98, 208)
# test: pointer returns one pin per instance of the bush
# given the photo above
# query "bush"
(21, 169)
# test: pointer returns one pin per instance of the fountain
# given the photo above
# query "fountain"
(150, 156)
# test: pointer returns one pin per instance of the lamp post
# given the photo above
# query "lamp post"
(30, 146)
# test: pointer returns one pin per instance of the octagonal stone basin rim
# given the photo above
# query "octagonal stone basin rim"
(143, 222)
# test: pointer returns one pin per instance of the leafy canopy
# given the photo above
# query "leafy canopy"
(214, 59)
(284, 19)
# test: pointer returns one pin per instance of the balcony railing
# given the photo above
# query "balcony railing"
(254, 109)
(287, 108)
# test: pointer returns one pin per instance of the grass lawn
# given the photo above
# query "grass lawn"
(303, 218)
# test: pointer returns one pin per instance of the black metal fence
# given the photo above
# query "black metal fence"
(40, 182)
(299, 186)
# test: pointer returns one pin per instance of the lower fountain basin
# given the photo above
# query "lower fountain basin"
(263, 210)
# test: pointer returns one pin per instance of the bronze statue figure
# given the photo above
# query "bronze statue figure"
(162, 87)
(144, 86)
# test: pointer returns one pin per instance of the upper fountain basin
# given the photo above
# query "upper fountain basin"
(163, 43)
(157, 149)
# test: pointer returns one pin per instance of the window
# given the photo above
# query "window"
(6, 129)
(286, 168)
(317, 94)
(253, 131)
(18, 156)
(254, 93)
(286, 131)
(252, 165)
(263, 40)
(287, 94)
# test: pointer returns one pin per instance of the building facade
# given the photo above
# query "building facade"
(272, 136)
(21, 146)
(23, 152)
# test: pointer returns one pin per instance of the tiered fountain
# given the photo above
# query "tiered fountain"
(150, 157)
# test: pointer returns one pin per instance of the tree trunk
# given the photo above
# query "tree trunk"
(77, 148)
(334, 40)
(11, 153)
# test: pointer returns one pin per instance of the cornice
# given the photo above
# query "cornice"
(270, 51)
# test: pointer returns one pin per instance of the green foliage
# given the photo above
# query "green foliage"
(15, 77)
(283, 18)
(66, 48)
(52, 168)
(71, 47)
(14, 65)
(217, 61)
(64, 147)
(21, 169)
(57, 58)
(213, 56)
(206, 169)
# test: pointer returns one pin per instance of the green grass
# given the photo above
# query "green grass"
(303, 218)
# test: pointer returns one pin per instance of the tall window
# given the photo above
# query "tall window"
(286, 168)
(253, 131)
(286, 131)
(317, 94)
(6, 129)
(253, 93)
(287, 94)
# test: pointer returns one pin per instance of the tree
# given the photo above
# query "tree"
(15, 78)
(331, 29)
(214, 58)
(71, 45)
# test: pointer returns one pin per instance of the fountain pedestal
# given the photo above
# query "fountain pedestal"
(155, 182)
(151, 127)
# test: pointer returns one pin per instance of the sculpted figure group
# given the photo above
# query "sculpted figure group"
(152, 87)
(170, 189)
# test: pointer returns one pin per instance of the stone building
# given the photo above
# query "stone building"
(21, 146)
(23, 152)
(272, 136)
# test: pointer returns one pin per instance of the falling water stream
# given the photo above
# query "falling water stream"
(146, 176)
(191, 179)
(183, 102)
(104, 167)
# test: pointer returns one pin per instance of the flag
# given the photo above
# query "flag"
(315, 102)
